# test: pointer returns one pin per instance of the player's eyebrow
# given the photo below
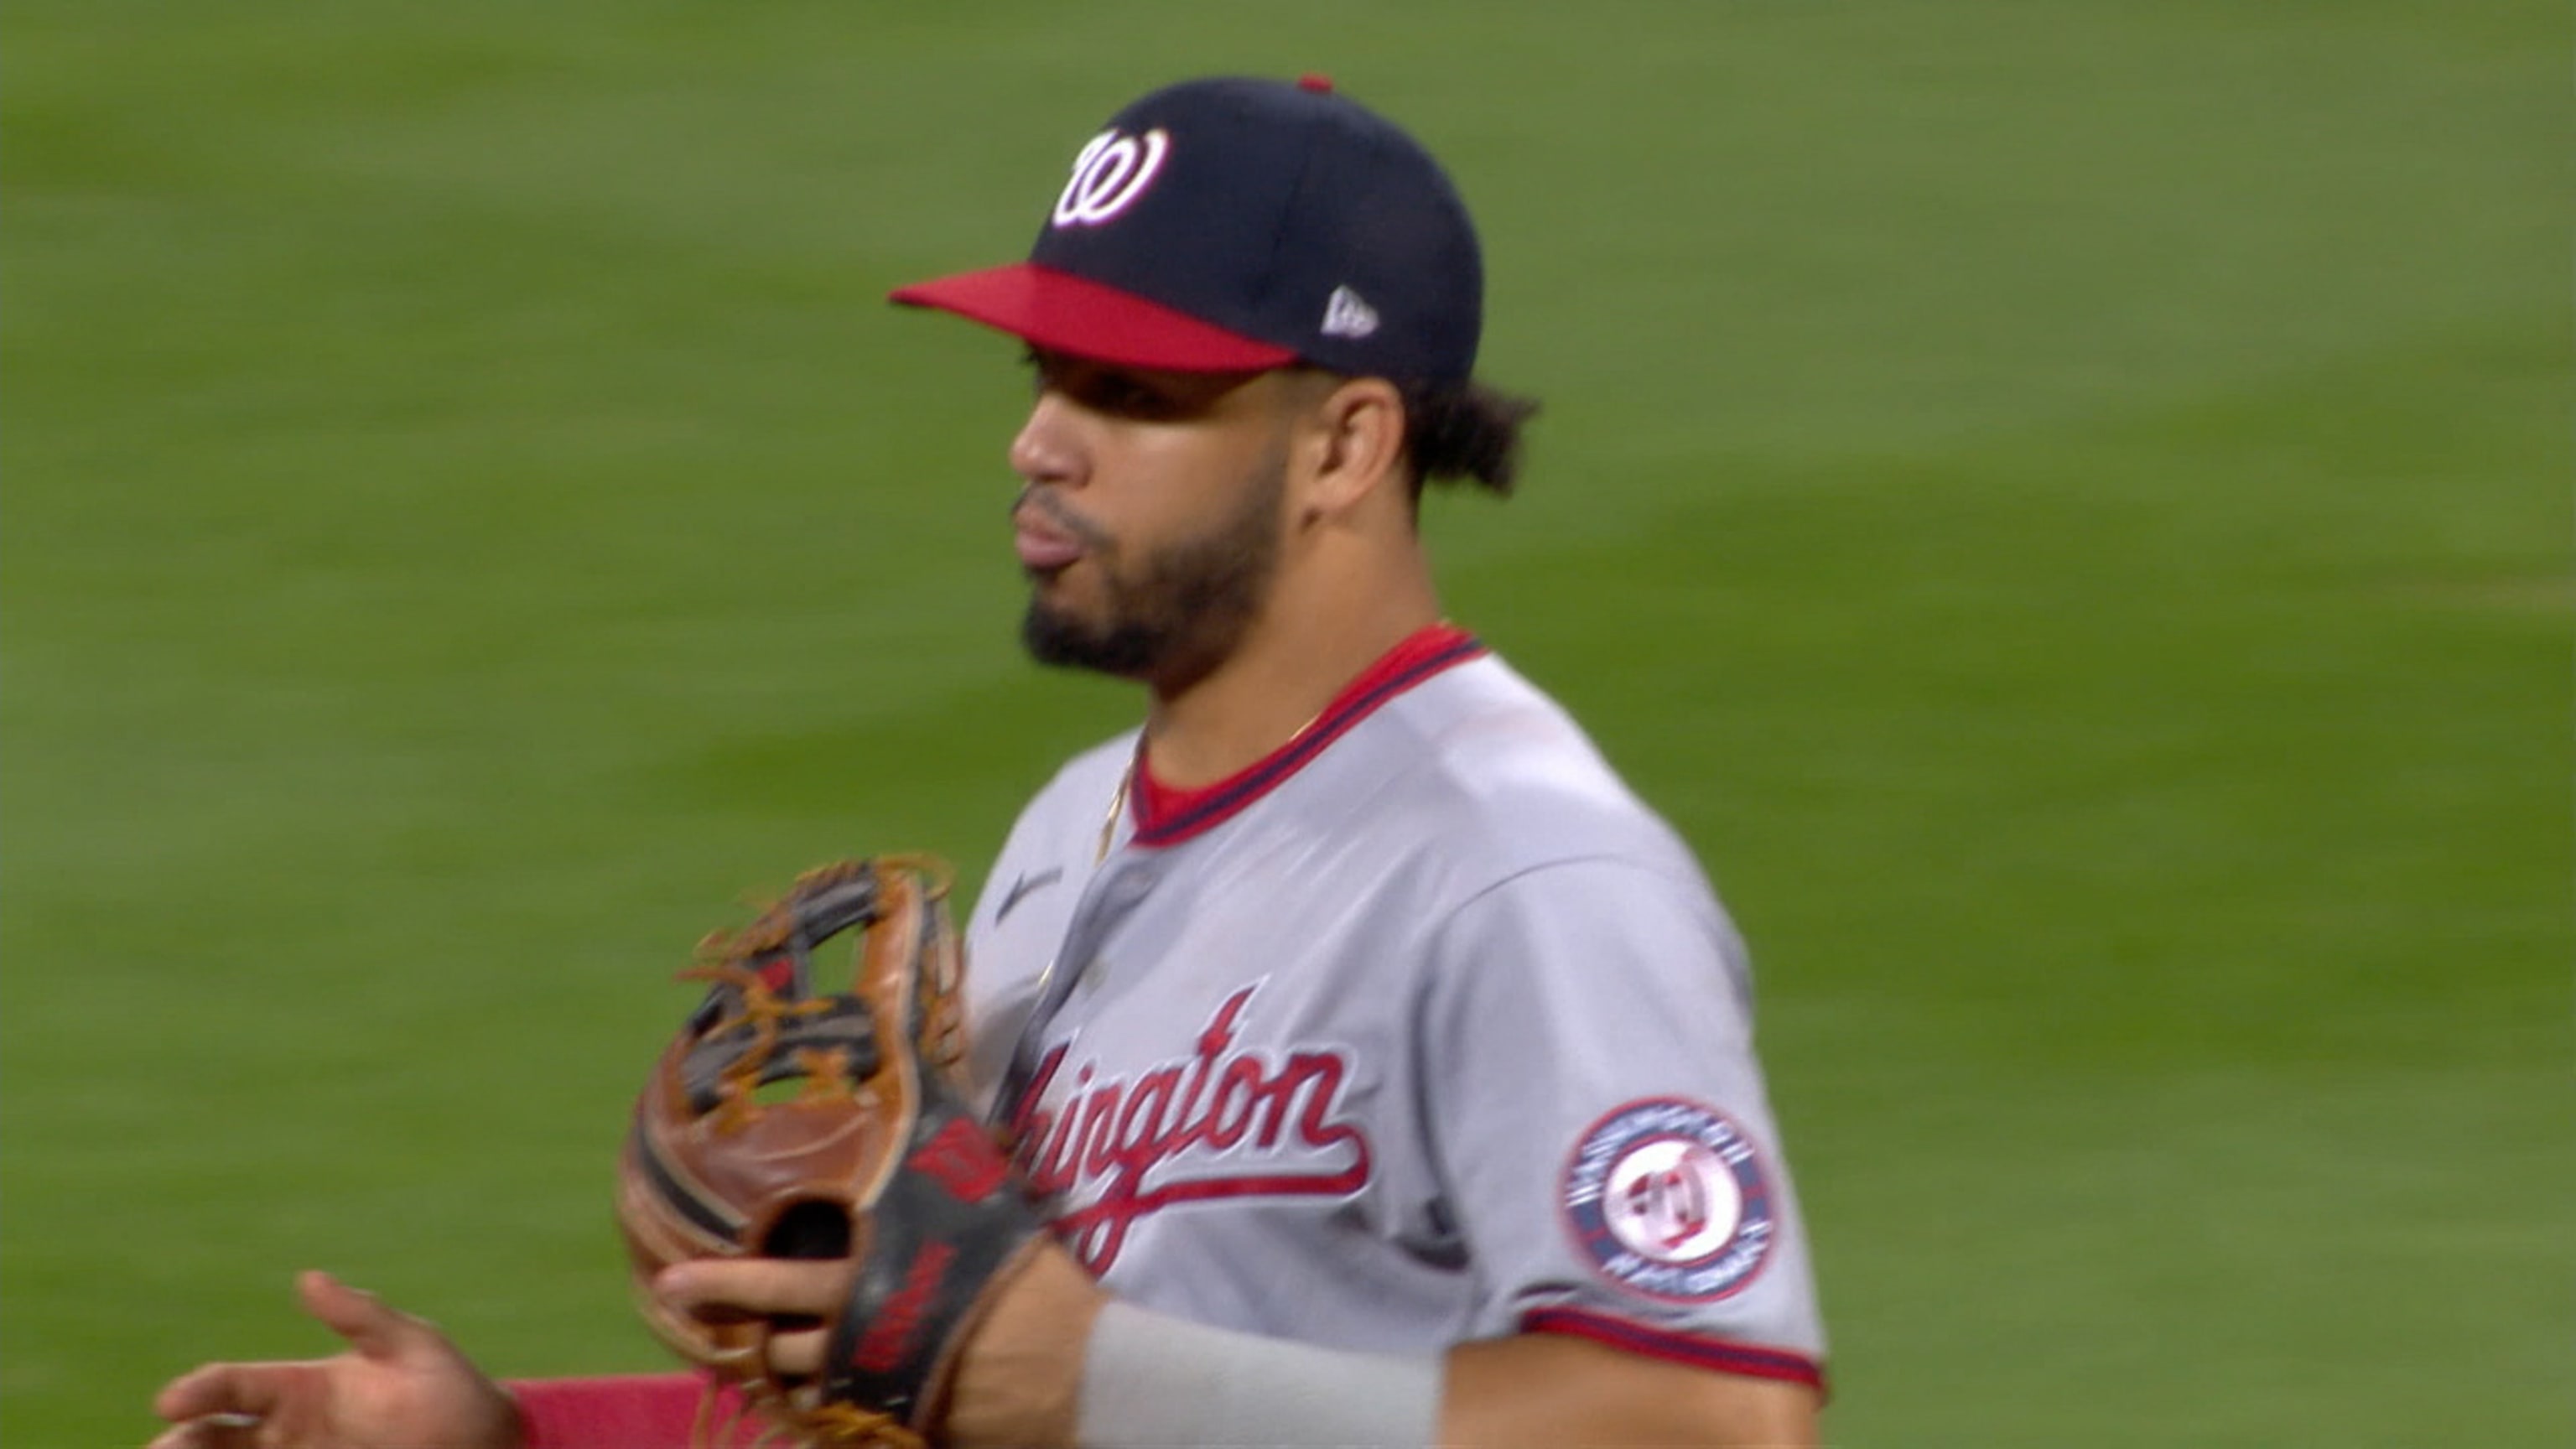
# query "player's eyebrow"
(1146, 393)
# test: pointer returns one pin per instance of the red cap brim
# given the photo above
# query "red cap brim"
(1065, 313)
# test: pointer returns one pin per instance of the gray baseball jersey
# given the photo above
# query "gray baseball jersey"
(1422, 1030)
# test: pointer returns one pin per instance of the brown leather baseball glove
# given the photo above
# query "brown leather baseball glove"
(791, 1121)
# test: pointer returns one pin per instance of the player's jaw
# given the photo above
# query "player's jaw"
(1167, 613)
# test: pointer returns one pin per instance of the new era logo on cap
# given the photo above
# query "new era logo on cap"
(1234, 224)
(1345, 315)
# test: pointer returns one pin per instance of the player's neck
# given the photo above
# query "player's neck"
(1309, 643)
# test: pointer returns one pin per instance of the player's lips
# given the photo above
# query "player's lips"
(1042, 547)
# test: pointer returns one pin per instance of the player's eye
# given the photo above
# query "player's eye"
(1116, 392)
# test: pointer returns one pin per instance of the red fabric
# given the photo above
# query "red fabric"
(623, 1411)
(1065, 313)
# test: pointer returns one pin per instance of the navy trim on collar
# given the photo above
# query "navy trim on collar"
(1422, 655)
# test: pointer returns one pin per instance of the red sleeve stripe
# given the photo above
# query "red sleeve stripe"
(1723, 1355)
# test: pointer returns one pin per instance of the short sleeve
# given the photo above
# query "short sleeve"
(1600, 1127)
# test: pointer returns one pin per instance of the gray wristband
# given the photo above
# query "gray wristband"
(1156, 1382)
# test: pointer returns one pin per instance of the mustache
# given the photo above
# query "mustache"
(1048, 504)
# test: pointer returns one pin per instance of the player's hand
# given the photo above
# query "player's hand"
(400, 1385)
(800, 1297)
(1021, 1370)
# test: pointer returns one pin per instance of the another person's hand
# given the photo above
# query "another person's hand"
(400, 1385)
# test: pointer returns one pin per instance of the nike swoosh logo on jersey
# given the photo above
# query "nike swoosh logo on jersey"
(1022, 889)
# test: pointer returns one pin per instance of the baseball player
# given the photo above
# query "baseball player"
(1384, 1065)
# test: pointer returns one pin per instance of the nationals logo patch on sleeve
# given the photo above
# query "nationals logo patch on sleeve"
(1668, 1198)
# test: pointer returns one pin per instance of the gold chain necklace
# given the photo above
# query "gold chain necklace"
(1117, 807)
(1127, 782)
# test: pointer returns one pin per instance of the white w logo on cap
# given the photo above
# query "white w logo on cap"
(1112, 171)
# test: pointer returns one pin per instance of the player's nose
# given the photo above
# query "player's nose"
(1046, 450)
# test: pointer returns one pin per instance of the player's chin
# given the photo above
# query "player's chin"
(1060, 602)
(1055, 632)
(1082, 592)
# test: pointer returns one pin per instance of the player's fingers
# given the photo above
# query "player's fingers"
(798, 1353)
(249, 1389)
(372, 1326)
(184, 1436)
(754, 1287)
(221, 1431)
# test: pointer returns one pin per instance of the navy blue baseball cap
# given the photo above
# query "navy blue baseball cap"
(1238, 225)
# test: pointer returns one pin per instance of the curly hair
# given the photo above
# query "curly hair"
(1464, 430)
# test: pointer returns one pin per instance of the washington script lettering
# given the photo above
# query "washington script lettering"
(1220, 1123)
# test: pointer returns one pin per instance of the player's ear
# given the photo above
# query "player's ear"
(1351, 443)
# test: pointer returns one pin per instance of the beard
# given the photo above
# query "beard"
(1183, 607)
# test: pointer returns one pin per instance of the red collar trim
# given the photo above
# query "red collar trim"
(1168, 816)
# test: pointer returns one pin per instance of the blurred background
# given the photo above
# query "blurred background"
(2067, 505)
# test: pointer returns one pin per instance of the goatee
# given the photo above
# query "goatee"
(1186, 605)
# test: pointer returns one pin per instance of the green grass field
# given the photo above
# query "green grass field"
(2066, 505)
